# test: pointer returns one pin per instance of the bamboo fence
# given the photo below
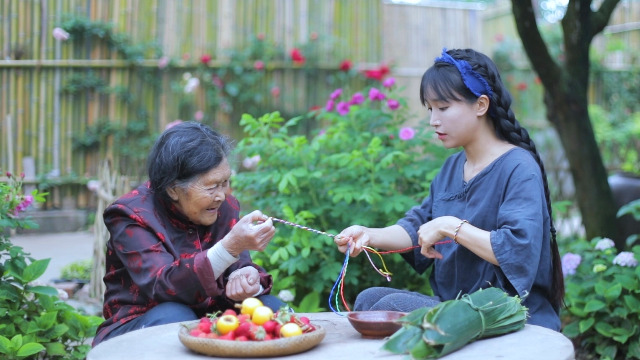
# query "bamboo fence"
(40, 117)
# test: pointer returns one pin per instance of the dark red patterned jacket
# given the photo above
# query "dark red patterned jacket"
(156, 255)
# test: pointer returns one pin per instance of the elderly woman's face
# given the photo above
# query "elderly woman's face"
(201, 200)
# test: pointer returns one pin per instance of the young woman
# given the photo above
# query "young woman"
(491, 199)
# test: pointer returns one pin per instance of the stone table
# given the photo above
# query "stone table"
(342, 342)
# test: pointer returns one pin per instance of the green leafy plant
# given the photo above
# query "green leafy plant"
(34, 322)
(77, 270)
(602, 315)
(360, 166)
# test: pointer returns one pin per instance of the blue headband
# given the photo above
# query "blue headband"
(474, 81)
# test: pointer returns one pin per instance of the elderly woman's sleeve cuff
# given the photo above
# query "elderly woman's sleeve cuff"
(220, 259)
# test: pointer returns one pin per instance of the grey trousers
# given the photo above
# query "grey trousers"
(390, 299)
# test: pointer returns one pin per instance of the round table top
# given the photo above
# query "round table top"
(342, 342)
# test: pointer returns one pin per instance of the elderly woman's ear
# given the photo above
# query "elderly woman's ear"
(172, 193)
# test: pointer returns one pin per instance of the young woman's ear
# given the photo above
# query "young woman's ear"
(483, 105)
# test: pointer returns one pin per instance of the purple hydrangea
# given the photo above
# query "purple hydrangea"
(570, 262)
(625, 258)
(604, 244)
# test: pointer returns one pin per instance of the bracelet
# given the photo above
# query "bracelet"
(455, 232)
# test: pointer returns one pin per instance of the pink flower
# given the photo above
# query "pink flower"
(393, 104)
(258, 65)
(376, 95)
(342, 108)
(335, 94)
(260, 36)
(345, 65)
(199, 115)
(275, 92)
(522, 86)
(377, 74)
(163, 62)
(60, 34)
(357, 99)
(389, 82)
(406, 133)
(329, 106)
(313, 36)
(297, 57)
(26, 201)
(205, 59)
(172, 124)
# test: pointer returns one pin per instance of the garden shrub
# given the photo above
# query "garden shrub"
(602, 315)
(34, 322)
(360, 166)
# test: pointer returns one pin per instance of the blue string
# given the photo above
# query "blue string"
(344, 267)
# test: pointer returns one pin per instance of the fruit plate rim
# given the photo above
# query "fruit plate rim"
(239, 349)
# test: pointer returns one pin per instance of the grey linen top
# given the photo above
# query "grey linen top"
(506, 198)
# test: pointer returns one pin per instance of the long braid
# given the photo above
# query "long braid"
(508, 128)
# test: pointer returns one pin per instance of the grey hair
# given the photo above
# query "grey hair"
(182, 153)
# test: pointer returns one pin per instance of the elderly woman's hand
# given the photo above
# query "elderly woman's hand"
(253, 232)
(243, 283)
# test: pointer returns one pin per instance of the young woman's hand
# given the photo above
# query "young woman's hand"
(432, 232)
(352, 238)
(252, 232)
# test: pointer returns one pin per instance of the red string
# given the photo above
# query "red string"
(344, 302)
(409, 248)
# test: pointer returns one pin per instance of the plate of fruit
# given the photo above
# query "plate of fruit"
(252, 331)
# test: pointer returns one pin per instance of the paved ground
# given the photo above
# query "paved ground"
(61, 248)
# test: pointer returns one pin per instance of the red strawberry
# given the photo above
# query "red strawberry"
(205, 325)
(229, 312)
(242, 338)
(195, 332)
(228, 336)
(257, 332)
(304, 319)
(243, 329)
(270, 326)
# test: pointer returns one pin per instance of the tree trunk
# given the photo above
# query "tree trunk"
(595, 200)
(566, 84)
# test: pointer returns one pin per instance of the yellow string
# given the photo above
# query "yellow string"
(384, 271)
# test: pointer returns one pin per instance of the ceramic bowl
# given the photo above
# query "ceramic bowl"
(375, 324)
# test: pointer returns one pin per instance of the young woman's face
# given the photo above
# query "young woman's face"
(455, 122)
(200, 201)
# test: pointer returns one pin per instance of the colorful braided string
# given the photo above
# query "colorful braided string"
(339, 283)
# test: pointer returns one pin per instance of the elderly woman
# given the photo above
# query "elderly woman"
(178, 249)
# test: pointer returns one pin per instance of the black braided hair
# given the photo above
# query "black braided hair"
(443, 81)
